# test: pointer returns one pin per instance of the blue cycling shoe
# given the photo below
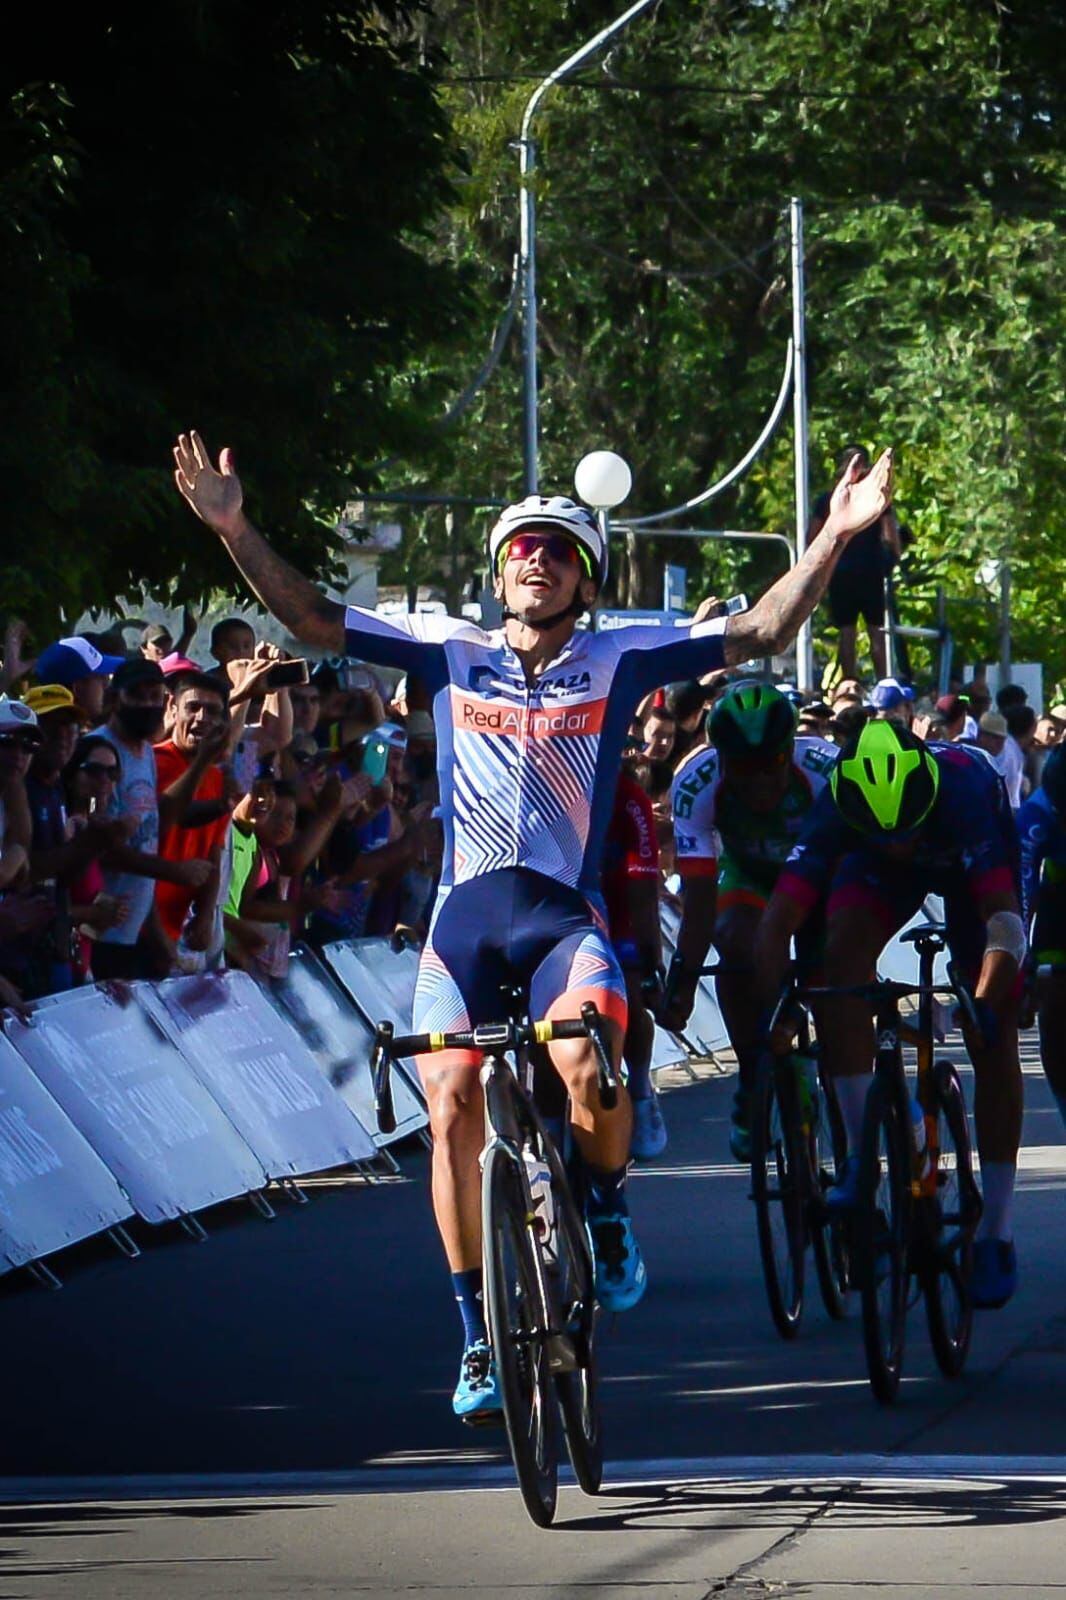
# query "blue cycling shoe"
(621, 1276)
(740, 1129)
(844, 1194)
(477, 1394)
(994, 1276)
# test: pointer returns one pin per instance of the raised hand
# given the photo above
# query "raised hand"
(17, 663)
(214, 494)
(859, 500)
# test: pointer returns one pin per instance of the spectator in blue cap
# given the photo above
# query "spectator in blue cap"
(892, 701)
(79, 666)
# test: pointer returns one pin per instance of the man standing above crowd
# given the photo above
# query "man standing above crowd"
(857, 587)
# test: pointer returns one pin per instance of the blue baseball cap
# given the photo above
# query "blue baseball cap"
(69, 660)
(888, 694)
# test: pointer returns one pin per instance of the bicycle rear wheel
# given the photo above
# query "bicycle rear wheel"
(573, 1281)
(516, 1328)
(777, 1188)
(881, 1235)
(948, 1310)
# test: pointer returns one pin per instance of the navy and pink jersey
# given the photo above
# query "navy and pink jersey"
(969, 833)
(528, 772)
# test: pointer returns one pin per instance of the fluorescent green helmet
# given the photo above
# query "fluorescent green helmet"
(752, 718)
(885, 780)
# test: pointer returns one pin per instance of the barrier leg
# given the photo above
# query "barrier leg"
(259, 1202)
(291, 1188)
(193, 1227)
(44, 1275)
(122, 1242)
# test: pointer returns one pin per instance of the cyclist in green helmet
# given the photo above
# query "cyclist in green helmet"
(739, 805)
(900, 820)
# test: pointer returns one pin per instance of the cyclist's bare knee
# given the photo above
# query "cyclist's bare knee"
(453, 1097)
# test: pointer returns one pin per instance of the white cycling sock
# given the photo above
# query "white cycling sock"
(851, 1098)
(997, 1190)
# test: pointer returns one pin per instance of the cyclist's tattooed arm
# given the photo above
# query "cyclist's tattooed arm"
(775, 619)
(217, 498)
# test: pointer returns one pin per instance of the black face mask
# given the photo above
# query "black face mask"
(139, 722)
(422, 766)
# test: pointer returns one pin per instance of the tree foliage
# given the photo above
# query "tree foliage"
(296, 225)
(926, 143)
(215, 216)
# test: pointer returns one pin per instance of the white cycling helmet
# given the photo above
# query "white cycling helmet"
(538, 511)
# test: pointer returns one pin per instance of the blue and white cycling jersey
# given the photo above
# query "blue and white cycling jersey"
(528, 771)
(1043, 840)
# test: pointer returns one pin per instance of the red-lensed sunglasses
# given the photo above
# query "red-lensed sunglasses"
(557, 545)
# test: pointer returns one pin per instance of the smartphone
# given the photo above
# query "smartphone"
(733, 607)
(375, 759)
(357, 677)
(285, 675)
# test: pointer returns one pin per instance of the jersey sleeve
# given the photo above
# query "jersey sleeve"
(1034, 838)
(697, 842)
(639, 844)
(657, 655)
(413, 642)
(983, 825)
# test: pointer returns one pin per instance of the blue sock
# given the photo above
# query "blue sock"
(639, 1082)
(606, 1192)
(468, 1294)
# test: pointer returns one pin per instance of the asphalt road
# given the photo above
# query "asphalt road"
(268, 1413)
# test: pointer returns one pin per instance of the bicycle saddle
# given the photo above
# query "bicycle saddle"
(931, 933)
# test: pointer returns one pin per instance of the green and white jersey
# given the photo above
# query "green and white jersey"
(711, 821)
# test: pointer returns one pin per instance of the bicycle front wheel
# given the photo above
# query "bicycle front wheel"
(515, 1317)
(881, 1238)
(573, 1280)
(957, 1208)
(777, 1189)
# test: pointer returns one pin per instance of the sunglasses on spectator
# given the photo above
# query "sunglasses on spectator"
(557, 546)
(15, 741)
(100, 769)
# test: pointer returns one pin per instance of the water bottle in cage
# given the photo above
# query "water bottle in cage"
(540, 1189)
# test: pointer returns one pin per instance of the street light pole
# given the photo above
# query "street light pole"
(527, 162)
(804, 639)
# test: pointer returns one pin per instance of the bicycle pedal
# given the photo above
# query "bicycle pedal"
(483, 1419)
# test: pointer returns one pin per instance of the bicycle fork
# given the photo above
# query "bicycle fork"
(502, 1128)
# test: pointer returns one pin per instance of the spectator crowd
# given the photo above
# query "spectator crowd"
(160, 814)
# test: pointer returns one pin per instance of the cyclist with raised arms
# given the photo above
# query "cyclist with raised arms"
(531, 720)
(1041, 823)
(739, 805)
(899, 820)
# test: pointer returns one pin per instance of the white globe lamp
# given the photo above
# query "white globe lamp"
(603, 479)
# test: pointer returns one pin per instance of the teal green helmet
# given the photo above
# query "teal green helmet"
(752, 718)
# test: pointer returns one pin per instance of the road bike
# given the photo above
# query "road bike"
(918, 1203)
(797, 1141)
(540, 1300)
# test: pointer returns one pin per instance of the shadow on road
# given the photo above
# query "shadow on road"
(860, 1507)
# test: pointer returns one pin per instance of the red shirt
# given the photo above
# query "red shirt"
(630, 851)
(184, 844)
